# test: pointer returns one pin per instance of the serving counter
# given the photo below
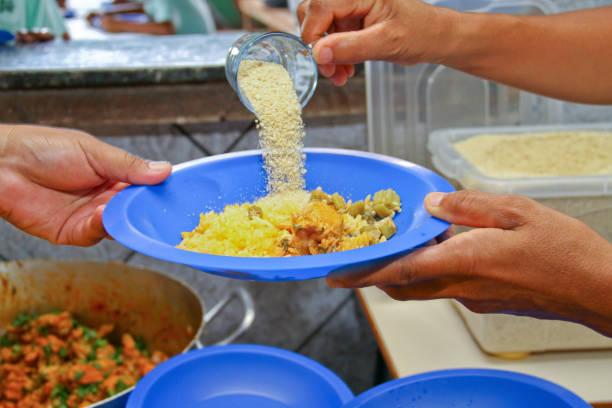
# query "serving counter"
(419, 336)
(142, 80)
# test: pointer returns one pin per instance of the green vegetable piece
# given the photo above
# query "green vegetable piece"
(388, 198)
(83, 390)
(100, 343)
(140, 343)
(285, 244)
(338, 201)
(373, 232)
(357, 208)
(93, 355)
(47, 350)
(117, 355)
(387, 227)
(22, 319)
(16, 349)
(255, 211)
(319, 195)
(369, 215)
(62, 352)
(60, 392)
(382, 211)
(78, 375)
(88, 334)
(5, 341)
(121, 386)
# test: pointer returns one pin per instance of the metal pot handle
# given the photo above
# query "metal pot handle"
(245, 298)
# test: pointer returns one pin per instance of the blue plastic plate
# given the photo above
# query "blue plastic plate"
(150, 219)
(474, 388)
(240, 375)
(6, 36)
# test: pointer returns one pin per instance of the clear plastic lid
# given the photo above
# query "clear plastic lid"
(281, 48)
(452, 164)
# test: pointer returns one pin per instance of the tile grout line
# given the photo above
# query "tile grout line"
(129, 256)
(241, 136)
(189, 136)
(321, 325)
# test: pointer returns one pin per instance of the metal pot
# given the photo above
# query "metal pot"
(167, 314)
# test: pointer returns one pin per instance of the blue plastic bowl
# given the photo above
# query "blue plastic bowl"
(473, 388)
(6, 36)
(240, 375)
(150, 219)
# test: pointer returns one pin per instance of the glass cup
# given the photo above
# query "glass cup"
(281, 48)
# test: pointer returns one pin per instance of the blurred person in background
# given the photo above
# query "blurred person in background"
(158, 17)
(33, 20)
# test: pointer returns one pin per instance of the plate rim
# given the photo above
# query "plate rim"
(528, 379)
(118, 226)
(137, 397)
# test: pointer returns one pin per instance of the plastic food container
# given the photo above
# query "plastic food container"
(406, 104)
(587, 198)
(280, 48)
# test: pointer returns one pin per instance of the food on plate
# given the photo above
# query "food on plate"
(295, 223)
(288, 221)
(539, 154)
(51, 360)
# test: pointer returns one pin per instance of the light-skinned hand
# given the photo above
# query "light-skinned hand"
(521, 258)
(56, 182)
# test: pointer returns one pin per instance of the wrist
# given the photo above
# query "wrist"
(596, 300)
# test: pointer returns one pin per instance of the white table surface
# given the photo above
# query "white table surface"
(420, 336)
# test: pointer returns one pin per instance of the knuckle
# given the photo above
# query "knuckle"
(132, 161)
(472, 306)
(315, 6)
(516, 211)
(302, 9)
(392, 292)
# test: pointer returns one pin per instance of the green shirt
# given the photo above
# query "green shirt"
(17, 15)
(187, 16)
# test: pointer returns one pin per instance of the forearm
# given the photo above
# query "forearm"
(596, 297)
(144, 28)
(566, 56)
(125, 8)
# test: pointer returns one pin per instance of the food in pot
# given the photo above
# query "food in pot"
(53, 361)
(295, 223)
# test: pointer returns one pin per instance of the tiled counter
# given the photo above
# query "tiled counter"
(138, 80)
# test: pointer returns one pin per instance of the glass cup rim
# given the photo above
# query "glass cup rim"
(258, 37)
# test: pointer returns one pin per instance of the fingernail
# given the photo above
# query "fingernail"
(434, 199)
(326, 56)
(158, 165)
